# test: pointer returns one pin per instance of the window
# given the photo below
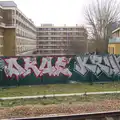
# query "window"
(108, 49)
(111, 50)
(49, 38)
(13, 12)
(49, 33)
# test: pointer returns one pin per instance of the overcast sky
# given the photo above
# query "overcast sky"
(58, 12)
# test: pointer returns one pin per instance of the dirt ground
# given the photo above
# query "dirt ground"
(40, 110)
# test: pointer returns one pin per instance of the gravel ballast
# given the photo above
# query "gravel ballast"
(75, 108)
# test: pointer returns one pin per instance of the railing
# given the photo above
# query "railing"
(47, 49)
(10, 25)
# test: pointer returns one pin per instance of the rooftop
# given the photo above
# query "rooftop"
(116, 30)
(62, 26)
(8, 4)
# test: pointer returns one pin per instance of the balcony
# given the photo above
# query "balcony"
(114, 40)
(10, 25)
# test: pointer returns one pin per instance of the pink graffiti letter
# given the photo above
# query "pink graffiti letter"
(46, 66)
(60, 67)
(30, 65)
(13, 68)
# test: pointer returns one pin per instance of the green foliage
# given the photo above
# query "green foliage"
(59, 100)
(58, 89)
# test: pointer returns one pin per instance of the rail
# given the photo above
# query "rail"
(109, 115)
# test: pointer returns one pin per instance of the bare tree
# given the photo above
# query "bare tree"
(100, 15)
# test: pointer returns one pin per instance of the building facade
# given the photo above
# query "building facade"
(56, 40)
(17, 32)
(114, 42)
(19, 36)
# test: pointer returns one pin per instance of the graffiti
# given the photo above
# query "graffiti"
(97, 65)
(29, 66)
(2, 64)
(54, 69)
(57, 69)
(49, 69)
(12, 67)
(60, 64)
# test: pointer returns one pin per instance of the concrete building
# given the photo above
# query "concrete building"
(56, 40)
(114, 42)
(20, 37)
(17, 32)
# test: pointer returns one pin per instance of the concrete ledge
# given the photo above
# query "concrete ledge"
(58, 95)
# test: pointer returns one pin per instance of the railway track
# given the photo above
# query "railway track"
(111, 115)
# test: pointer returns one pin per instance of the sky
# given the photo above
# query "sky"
(57, 12)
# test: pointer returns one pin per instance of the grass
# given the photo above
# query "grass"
(59, 100)
(57, 89)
